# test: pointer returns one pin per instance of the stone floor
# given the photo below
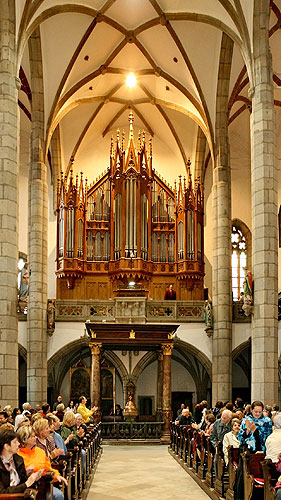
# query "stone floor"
(142, 472)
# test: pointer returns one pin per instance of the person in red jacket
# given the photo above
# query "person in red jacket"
(170, 293)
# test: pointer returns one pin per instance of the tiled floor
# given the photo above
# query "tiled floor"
(142, 472)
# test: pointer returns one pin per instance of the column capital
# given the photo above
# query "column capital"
(167, 349)
(95, 347)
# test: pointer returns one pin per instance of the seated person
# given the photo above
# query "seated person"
(35, 458)
(185, 418)
(44, 440)
(70, 432)
(13, 475)
(230, 438)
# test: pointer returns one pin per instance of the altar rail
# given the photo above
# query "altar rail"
(132, 430)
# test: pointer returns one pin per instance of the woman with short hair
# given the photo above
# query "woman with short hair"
(231, 439)
(35, 457)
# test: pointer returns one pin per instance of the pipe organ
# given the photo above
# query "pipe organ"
(130, 226)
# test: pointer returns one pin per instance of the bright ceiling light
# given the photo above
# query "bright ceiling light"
(131, 80)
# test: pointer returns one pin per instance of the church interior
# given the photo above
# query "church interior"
(140, 166)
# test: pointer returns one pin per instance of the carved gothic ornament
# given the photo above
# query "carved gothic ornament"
(167, 349)
(95, 347)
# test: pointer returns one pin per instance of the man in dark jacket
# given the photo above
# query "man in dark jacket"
(13, 476)
(221, 427)
(185, 418)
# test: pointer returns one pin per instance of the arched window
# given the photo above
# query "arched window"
(239, 260)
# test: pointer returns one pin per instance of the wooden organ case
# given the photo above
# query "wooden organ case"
(129, 232)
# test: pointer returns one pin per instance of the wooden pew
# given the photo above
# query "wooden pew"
(202, 469)
(210, 460)
(222, 477)
(29, 494)
(252, 471)
(270, 476)
(189, 437)
(233, 459)
(195, 448)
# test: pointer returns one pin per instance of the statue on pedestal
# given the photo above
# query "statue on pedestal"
(248, 294)
(209, 318)
(130, 411)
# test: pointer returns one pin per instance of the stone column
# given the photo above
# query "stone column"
(167, 392)
(159, 386)
(38, 236)
(96, 378)
(264, 215)
(8, 206)
(222, 298)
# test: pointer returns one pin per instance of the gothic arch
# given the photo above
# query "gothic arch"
(240, 348)
(22, 352)
(187, 348)
(69, 354)
(145, 361)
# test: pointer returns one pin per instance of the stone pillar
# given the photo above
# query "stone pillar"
(167, 392)
(222, 298)
(96, 378)
(264, 215)
(159, 403)
(8, 206)
(38, 236)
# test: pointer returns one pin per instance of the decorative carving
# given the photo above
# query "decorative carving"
(95, 347)
(167, 349)
(209, 318)
(51, 307)
(93, 334)
(132, 334)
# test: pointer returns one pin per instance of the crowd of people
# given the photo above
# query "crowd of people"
(252, 427)
(32, 437)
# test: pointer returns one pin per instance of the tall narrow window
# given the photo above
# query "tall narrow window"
(80, 239)
(239, 261)
(180, 241)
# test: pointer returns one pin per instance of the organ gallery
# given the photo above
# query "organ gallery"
(129, 232)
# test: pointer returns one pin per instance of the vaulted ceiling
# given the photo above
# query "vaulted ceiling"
(173, 48)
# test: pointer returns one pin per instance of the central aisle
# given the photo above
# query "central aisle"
(142, 472)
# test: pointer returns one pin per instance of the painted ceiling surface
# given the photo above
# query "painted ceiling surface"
(172, 47)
